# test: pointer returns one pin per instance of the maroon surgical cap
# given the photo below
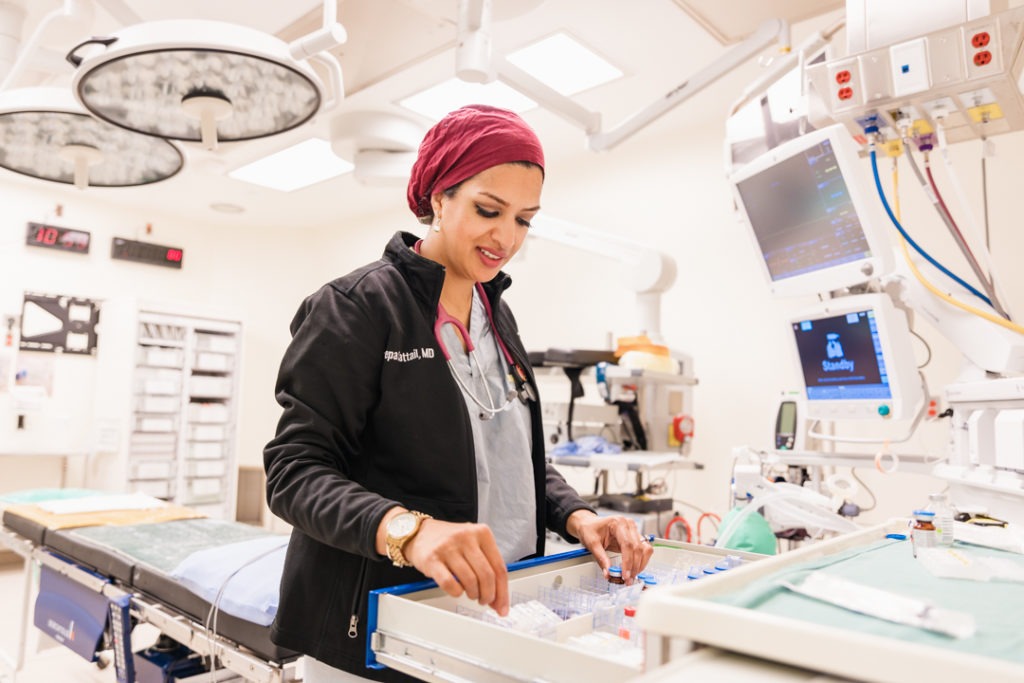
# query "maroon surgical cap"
(465, 142)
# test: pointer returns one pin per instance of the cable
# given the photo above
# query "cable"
(906, 437)
(896, 206)
(927, 347)
(211, 616)
(961, 195)
(962, 242)
(984, 191)
(933, 194)
(1002, 322)
(965, 205)
(909, 239)
(700, 520)
(679, 519)
(896, 186)
(874, 500)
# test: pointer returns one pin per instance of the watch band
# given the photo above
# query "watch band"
(396, 546)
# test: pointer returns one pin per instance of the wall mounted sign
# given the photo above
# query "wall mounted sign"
(56, 237)
(53, 322)
(146, 252)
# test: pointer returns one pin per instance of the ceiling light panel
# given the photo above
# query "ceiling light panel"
(436, 102)
(564, 64)
(142, 80)
(43, 131)
(301, 165)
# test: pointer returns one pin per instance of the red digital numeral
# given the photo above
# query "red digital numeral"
(45, 235)
(174, 255)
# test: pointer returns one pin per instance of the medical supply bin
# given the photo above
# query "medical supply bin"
(420, 630)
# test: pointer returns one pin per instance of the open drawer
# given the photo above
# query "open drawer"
(418, 629)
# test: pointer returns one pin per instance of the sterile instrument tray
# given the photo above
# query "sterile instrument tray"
(746, 611)
(418, 629)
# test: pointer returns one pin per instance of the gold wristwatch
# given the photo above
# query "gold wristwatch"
(400, 530)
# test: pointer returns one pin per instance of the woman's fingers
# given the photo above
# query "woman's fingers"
(462, 558)
(617, 534)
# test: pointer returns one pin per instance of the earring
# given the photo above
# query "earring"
(437, 227)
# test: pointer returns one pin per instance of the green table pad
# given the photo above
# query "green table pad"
(997, 606)
(164, 545)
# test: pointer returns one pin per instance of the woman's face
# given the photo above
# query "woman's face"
(484, 223)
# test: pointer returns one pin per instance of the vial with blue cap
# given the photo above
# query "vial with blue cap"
(615, 575)
(922, 534)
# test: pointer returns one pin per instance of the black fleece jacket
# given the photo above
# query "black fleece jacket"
(372, 419)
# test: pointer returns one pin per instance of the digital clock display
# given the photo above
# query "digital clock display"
(54, 237)
(146, 252)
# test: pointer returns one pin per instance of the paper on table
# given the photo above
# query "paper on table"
(886, 605)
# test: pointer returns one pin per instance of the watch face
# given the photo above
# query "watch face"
(401, 525)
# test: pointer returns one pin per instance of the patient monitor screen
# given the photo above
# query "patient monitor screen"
(842, 357)
(802, 214)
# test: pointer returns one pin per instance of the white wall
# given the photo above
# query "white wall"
(256, 277)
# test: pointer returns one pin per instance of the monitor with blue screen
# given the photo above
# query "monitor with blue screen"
(856, 360)
(815, 219)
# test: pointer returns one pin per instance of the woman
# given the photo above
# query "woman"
(392, 463)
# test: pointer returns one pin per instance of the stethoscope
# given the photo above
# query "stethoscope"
(514, 377)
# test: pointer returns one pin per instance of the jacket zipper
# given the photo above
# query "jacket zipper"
(357, 604)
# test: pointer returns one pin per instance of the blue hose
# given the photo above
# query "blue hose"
(910, 241)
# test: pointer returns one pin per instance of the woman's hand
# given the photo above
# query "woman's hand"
(461, 558)
(617, 534)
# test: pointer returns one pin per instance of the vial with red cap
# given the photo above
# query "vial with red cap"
(627, 627)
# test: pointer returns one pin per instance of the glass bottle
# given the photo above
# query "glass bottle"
(647, 580)
(922, 535)
(939, 504)
(615, 575)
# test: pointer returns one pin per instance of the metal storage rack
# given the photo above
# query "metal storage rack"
(184, 411)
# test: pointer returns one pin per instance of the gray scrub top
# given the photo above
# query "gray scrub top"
(504, 470)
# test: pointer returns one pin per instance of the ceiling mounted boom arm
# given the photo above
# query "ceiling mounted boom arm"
(327, 37)
(781, 67)
(773, 31)
(473, 48)
(548, 97)
(769, 32)
(72, 11)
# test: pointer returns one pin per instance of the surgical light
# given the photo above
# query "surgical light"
(195, 80)
(45, 134)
